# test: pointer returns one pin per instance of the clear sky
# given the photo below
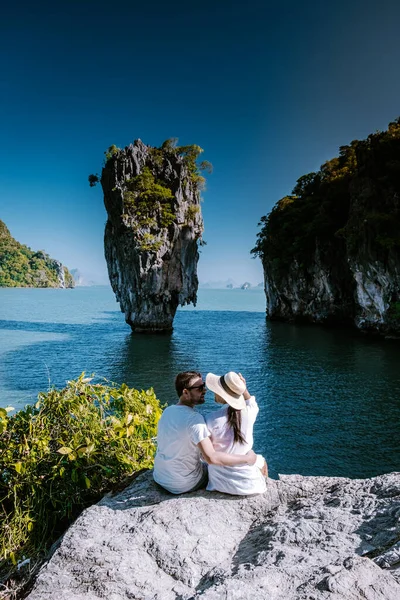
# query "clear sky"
(270, 90)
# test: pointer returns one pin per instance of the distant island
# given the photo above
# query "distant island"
(84, 279)
(22, 267)
(229, 284)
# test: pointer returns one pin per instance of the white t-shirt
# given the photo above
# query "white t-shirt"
(242, 479)
(177, 465)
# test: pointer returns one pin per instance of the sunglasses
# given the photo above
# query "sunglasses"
(197, 387)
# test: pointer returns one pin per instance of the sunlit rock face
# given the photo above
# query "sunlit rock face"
(151, 239)
(321, 538)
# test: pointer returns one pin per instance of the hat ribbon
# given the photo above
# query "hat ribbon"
(227, 389)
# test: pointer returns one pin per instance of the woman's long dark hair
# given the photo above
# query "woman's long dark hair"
(235, 422)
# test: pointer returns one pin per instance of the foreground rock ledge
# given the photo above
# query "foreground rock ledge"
(306, 538)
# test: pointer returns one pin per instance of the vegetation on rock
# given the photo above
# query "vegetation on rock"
(22, 267)
(353, 199)
(148, 198)
(62, 454)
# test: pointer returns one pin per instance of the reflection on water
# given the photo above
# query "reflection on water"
(329, 400)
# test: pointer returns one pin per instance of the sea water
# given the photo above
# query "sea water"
(329, 399)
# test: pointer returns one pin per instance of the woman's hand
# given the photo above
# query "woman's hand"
(246, 392)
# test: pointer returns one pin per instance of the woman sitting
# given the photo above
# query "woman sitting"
(231, 429)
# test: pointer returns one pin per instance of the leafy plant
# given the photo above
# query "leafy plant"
(111, 151)
(93, 179)
(62, 454)
(149, 200)
(149, 243)
(191, 212)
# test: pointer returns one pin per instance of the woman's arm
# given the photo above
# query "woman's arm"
(246, 394)
(212, 457)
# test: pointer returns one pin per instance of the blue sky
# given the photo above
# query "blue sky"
(269, 90)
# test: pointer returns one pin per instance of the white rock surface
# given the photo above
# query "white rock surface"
(305, 538)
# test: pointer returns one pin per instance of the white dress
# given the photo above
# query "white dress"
(242, 479)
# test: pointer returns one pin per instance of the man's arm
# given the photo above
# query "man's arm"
(212, 457)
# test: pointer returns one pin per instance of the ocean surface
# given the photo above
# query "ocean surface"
(329, 399)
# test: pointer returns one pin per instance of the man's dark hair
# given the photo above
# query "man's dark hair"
(182, 380)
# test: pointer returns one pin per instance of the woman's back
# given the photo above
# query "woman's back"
(243, 479)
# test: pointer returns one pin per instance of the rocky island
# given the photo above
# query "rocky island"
(306, 538)
(154, 227)
(22, 267)
(331, 250)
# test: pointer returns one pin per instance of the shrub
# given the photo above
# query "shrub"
(148, 199)
(62, 454)
(191, 212)
(111, 151)
(149, 243)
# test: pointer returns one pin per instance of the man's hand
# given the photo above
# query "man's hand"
(212, 457)
(252, 457)
(264, 470)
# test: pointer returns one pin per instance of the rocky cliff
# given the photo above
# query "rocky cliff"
(22, 267)
(331, 250)
(305, 538)
(154, 226)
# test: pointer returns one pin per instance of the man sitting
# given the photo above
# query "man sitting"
(182, 439)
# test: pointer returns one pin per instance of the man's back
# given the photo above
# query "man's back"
(177, 465)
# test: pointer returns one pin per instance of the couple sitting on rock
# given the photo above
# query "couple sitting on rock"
(194, 452)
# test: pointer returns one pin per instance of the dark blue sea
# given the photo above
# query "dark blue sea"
(329, 399)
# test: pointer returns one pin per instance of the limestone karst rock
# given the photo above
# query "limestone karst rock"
(331, 250)
(306, 537)
(154, 226)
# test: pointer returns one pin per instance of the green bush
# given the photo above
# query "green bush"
(62, 454)
(191, 212)
(110, 152)
(148, 200)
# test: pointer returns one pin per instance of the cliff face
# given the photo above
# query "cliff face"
(152, 197)
(331, 251)
(306, 537)
(22, 267)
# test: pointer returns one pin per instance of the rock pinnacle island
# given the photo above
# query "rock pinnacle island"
(153, 230)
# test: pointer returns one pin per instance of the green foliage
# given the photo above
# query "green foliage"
(150, 198)
(111, 151)
(93, 180)
(149, 201)
(64, 453)
(170, 144)
(351, 200)
(22, 267)
(149, 243)
(394, 312)
(205, 165)
(192, 212)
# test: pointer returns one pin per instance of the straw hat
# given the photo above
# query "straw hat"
(230, 387)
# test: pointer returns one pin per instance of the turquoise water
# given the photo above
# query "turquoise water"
(329, 399)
